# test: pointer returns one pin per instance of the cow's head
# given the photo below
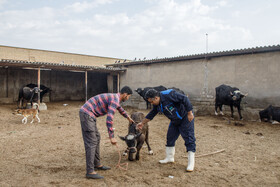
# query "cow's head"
(131, 141)
(237, 95)
(139, 90)
(36, 90)
(264, 114)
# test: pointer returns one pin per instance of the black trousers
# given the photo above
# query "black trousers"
(91, 138)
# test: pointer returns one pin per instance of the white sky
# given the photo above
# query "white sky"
(139, 28)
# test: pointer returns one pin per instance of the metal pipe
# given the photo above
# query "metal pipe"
(7, 82)
(38, 83)
(118, 89)
(86, 84)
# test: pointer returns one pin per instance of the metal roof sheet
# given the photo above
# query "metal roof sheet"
(57, 66)
(233, 52)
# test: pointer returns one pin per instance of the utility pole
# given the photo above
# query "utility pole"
(206, 43)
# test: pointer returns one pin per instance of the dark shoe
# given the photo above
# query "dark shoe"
(102, 168)
(94, 176)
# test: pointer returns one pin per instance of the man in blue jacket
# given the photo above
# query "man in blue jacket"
(178, 109)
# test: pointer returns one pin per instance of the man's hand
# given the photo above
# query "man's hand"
(140, 125)
(130, 120)
(190, 116)
(113, 141)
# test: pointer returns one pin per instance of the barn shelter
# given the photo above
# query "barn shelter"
(67, 82)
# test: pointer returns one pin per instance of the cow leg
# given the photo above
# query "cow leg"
(221, 109)
(24, 105)
(18, 103)
(231, 109)
(147, 142)
(139, 146)
(147, 103)
(216, 109)
(21, 103)
(239, 112)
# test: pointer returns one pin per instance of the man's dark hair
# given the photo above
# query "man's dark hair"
(127, 90)
(152, 93)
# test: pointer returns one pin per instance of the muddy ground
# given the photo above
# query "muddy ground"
(51, 153)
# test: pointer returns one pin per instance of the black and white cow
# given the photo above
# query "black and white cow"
(227, 95)
(136, 137)
(43, 89)
(142, 92)
(270, 114)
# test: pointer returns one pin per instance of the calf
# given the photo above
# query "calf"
(227, 95)
(142, 93)
(270, 114)
(136, 137)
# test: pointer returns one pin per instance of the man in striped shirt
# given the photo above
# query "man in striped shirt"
(96, 106)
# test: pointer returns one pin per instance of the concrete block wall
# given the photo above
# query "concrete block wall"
(255, 74)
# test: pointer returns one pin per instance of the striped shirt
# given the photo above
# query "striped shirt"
(102, 104)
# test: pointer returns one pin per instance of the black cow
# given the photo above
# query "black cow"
(142, 92)
(227, 95)
(135, 137)
(270, 114)
(43, 89)
(177, 90)
(27, 94)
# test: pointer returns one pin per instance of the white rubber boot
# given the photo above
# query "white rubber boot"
(190, 161)
(170, 152)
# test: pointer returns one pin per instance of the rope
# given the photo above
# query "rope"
(220, 151)
(119, 165)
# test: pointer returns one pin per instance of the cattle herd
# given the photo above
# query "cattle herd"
(225, 95)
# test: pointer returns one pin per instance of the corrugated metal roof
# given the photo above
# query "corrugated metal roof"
(57, 66)
(234, 52)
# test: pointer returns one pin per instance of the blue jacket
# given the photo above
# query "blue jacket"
(173, 105)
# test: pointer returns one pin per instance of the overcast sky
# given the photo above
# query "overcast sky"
(139, 28)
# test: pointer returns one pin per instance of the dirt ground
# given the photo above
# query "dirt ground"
(51, 153)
